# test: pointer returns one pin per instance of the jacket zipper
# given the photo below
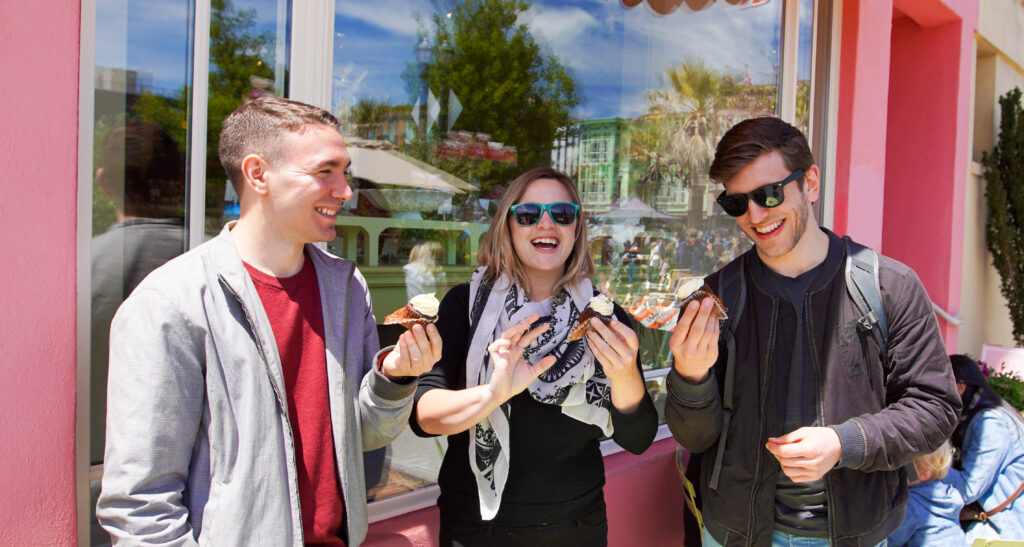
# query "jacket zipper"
(814, 358)
(769, 352)
(282, 401)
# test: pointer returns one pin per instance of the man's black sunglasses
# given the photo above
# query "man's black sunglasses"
(768, 196)
(528, 214)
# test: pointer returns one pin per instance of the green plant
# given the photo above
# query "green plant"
(1004, 173)
(1009, 385)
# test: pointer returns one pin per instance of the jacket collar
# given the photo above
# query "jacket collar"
(232, 271)
(832, 266)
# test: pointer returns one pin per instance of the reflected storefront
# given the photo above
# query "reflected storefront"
(442, 103)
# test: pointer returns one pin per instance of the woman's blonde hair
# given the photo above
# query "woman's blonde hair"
(496, 250)
(425, 254)
(936, 463)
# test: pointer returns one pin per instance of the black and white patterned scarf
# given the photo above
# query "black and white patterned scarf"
(575, 382)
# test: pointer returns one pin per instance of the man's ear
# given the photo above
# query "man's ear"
(254, 171)
(812, 183)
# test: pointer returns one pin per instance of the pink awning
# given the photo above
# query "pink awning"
(666, 7)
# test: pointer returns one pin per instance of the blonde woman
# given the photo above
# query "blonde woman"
(524, 408)
(933, 509)
(422, 273)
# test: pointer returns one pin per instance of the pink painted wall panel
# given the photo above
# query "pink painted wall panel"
(39, 121)
(416, 529)
(927, 148)
(860, 135)
(643, 494)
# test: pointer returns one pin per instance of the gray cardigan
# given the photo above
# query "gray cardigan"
(199, 447)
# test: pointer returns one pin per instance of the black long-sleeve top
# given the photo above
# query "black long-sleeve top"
(556, 471)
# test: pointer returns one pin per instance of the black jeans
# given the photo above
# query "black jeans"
(588, 531)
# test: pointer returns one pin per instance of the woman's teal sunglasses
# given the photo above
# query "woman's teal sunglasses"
(528, 214)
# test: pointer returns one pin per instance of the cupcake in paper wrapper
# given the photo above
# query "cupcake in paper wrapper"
(600, 307)
(420, 310)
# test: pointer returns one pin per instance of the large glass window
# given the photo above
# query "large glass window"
(469, 94)
(142, 135)
(442, 103)
(140, 158)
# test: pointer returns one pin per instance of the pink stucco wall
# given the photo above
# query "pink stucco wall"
(643, 493)
(902, 134)
(862, 111)
(38, 140)
(928, 144)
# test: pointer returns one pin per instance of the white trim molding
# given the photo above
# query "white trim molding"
(198, 109)
(789, 60)
(83, 262)
(311, 68)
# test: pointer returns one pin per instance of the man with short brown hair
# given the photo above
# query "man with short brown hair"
(820, 418)
(245, 381)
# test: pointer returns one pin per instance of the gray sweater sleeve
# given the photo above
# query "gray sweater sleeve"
(384, 404)
(155, 365)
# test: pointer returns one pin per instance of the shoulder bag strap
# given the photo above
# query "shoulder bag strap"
(733, 290)
(863, 285)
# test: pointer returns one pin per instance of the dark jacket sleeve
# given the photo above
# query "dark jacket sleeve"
(921, 396)
(450, 372)
(693, 412)
(635, 431)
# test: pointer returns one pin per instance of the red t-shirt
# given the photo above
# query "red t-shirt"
(296, 317)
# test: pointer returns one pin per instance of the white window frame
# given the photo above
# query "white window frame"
(83, 262)
(311, 69)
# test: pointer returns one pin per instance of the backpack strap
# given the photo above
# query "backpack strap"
(733, 291)
(863, 285)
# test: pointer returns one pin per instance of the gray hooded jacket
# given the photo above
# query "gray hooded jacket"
(199, 447)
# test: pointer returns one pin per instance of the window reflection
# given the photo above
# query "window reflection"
(248, 59)
(142, 135)
(444, 102)
(140, 158)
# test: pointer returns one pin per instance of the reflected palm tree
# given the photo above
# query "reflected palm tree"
(694, 110)
(647, 150)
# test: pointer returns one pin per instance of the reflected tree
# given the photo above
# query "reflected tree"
(237, 53)
(694, 109)
(648, 136)
(508, 85)
(698, 105)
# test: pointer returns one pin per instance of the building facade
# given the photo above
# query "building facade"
(889, 92)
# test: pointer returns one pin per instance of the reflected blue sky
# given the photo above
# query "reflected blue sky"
(152, 37)
(616, 54)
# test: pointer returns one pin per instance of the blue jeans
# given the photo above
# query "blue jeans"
(779, 539)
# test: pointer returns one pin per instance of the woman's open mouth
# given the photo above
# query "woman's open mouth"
(545, 244)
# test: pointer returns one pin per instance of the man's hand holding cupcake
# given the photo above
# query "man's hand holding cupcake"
(419, 347)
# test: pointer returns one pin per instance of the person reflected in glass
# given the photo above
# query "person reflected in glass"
(990, 468)
(523, 407)
(423, 274)
(142, 172)
(631, 257)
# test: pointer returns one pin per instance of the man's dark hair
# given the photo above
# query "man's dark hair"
(257, 126)
(749, 139)
(143, 170)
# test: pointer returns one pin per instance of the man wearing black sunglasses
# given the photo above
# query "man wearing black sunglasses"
(802, 431)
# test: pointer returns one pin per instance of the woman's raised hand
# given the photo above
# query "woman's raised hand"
(510, 372)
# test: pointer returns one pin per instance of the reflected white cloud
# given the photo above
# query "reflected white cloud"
(391, 15)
